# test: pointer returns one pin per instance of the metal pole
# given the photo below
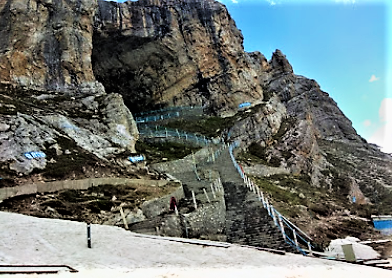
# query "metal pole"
(295, 238)
(213, 191)
(88, 235)
(194, 199)
(281, 227)
(274, 217)
(267, 206)
(310, 248)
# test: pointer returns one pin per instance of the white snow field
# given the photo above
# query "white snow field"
(119, 253)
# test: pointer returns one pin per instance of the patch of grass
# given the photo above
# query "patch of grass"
(257, 154)
(155, 152)
(207, 126)
(212, 126)
(279, 194)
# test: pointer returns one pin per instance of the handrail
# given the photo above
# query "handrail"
(272, 212)
(166, 133)
(288, 222)
(283, 221)
(176, 108)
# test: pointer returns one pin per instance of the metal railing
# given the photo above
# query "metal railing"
(290, 232)
(168, 109)
(168, 113)
(163, 132)
(155, 118)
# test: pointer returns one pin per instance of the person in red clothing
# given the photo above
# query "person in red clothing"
(173, 204)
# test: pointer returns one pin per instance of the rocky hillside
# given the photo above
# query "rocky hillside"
(72, 72)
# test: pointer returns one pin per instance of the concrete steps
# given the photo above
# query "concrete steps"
(247, 222)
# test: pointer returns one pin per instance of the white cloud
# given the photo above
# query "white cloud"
(367, 123)
(271, 2)
(383, 136)
(373, 78)
(234, 1)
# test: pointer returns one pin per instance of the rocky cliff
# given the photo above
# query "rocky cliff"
(51, 104)
(171, 53)
(47, 45)
(68, 66)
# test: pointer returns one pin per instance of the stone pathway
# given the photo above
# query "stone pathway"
(246, 221)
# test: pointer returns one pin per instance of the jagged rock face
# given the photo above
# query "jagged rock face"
(47, 44)
(301, 130)
(155, 53)
(51, 101)
(63, 128)
(169, 53)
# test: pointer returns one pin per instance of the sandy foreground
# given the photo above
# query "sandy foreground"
(119, 253)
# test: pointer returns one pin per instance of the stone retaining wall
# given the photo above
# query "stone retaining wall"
(46, 187)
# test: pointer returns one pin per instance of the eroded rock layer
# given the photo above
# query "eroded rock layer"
(171, 53)
(47, 45)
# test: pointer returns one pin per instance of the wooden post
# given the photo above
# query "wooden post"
(157, 230)
(123, 218)
(213, 191)
(194, 199)
(176, 210)
(205, 193)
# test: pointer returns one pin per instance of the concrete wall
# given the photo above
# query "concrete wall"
(158, 206)
(46, 187)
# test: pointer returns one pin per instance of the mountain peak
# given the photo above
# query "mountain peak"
(279, 63)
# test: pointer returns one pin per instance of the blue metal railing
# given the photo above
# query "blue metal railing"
(163, 132)
(272, 212)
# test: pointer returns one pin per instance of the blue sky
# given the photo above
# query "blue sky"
(342, 44)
